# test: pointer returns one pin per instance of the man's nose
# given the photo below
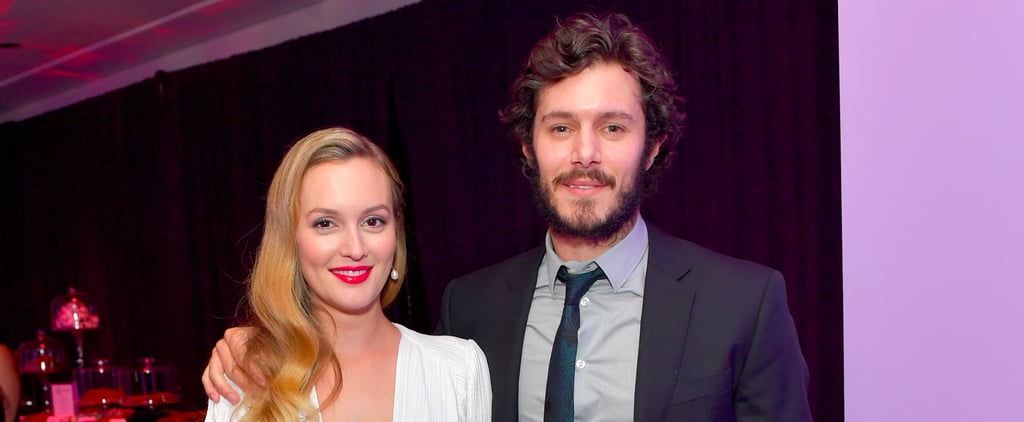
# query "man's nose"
(586, 148)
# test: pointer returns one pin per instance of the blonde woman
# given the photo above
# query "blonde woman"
(333, 255)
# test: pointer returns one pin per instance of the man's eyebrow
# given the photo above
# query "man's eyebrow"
(612, 114)
(622, 115)
(557, 114)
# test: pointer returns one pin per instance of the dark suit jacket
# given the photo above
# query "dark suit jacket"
(717, 342)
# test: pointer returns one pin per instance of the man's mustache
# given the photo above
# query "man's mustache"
(593, 173)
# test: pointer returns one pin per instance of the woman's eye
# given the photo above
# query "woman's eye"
(322, 223)
(374, 222)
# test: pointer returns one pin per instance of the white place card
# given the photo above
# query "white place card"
(63, 399)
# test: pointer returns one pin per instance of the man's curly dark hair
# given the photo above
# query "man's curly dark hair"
(582, 41)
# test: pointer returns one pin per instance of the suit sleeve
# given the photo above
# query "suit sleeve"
(444, 325)
(773, 382)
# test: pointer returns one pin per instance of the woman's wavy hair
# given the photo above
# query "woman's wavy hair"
(287, 347)
(582, 41)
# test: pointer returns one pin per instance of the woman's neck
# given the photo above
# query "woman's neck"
(366, 346)
(352, 336)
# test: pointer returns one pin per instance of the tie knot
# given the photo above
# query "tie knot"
(578, 284)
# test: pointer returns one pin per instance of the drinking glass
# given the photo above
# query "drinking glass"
(40, 359)
(149, 385)
(98, 387)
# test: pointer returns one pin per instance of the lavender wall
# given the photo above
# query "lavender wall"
(933, 202)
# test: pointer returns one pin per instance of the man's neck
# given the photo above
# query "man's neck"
(574, 248)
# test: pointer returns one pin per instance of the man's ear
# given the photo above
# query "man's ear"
(654, 151)
(528, 156)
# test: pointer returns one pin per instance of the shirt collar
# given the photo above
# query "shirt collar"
(618, 262)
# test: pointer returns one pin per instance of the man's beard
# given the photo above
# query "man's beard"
(584, 221)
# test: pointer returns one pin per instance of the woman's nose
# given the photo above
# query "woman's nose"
(351, 245)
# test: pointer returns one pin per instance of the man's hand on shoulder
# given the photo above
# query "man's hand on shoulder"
(226, 361)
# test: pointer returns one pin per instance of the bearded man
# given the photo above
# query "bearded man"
(668, 330)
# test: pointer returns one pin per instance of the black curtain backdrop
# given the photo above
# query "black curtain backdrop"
(150, 198)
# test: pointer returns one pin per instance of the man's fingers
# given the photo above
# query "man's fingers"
(222, 362)
(227, 361)
(236, 340)
(211, 392)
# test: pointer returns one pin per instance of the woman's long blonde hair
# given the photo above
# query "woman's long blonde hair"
(288, 348)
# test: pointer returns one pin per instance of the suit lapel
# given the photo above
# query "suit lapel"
(520, 282)
(664, 322)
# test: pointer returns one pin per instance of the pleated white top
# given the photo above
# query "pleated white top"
(437, 378)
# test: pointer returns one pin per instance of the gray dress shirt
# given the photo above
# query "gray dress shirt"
(609, 335)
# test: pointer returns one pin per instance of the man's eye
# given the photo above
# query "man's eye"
(614, 128)
(560, 129)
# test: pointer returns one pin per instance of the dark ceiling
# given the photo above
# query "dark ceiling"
(56, 52)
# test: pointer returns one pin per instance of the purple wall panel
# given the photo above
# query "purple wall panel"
(933, 209)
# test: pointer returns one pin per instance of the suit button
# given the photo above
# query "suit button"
(584, 302)
(580, 364)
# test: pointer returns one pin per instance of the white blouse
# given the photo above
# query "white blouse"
(437, 378)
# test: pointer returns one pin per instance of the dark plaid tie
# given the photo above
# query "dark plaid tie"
(558, 401)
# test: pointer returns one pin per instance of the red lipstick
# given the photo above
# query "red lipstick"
(352, 275)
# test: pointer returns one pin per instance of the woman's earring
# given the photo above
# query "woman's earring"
(394, 274)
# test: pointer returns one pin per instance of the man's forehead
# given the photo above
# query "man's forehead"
(597, 89)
